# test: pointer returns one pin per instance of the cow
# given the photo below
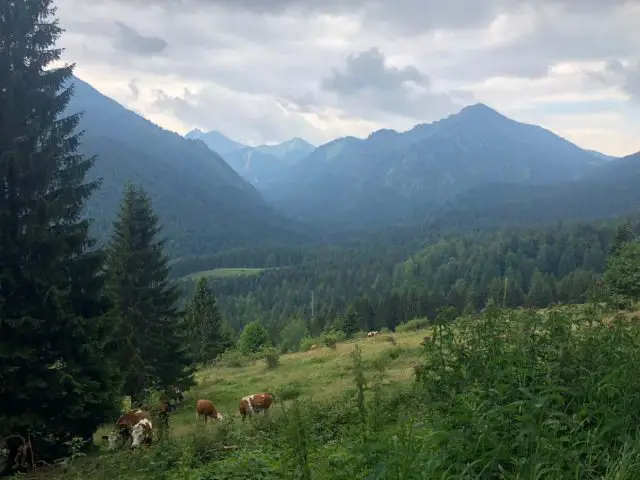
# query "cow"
(372, 334)
(124, 427)
(426, 340)
(313, 347)
(256, 403)
(206, 409)
(142, 432)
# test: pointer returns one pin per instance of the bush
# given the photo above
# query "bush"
(289, 391)
(271, 357)
(413, 325)
(233, 358)
(331, 339)
(254, 337)
(307, 342)
(292, 334)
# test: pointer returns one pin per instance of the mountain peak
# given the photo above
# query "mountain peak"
(479, 109)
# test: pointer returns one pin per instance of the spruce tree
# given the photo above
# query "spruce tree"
(204, 324)
(56, 380)
(149, 327)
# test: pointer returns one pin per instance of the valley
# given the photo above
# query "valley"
(457, 299)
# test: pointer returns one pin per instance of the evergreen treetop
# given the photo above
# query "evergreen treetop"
(57, 380)
(149, 326)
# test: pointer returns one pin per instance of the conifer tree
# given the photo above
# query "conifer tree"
(153, 351)
(56, 380)
(204, 324)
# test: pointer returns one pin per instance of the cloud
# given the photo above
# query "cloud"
(625, 75)
(129, 40)
(369, 86)
(270, 70)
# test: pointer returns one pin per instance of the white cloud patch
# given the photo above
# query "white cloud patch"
(268, 71)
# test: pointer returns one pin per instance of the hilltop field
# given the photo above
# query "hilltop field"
(506, 394)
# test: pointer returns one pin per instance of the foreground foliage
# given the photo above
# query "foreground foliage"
(520, 394)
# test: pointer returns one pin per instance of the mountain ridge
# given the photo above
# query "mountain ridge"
(203, 203)
(403, 175)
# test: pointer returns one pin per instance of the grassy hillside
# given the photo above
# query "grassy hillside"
(519, 394)
(226, 272)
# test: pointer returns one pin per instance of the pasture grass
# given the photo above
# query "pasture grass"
(507, 394)
(226, 273)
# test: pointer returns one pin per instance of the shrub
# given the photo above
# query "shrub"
(331, 339)
(289, 391)
(292, 335)
(307, 342)
(413, 325)
(233, 358)
(253, 338)
(271, 357)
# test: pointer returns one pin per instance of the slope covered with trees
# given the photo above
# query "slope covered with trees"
(607, 191)
(402, 177)
(202, 202)
(388, 284)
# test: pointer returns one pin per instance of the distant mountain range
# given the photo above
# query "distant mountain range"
(476, 168)
(610, 190)
(203, 203)
(392, 177)
(258, 165)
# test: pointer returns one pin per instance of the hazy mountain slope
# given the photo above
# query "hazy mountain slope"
(401, 177)
(203, 202)
(215, 141)
(266, 163)
(609, 190)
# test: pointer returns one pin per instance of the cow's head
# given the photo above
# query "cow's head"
(141, 432)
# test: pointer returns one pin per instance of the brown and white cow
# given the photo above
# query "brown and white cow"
(256, 403)
(142, 432)
(206, 409)
(124, 427)
(372, 334)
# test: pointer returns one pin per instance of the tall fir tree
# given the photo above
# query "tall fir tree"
(204, 324)
(154, 350)
(56, 377)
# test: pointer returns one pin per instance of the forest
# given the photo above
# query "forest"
(389, 284)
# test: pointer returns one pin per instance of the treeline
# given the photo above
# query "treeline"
(521, 267)
(80, 326)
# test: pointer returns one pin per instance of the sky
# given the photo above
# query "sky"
(265, 71)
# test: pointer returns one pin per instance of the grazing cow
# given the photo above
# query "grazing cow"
(142, 432)
(206, 409)
(372, 334)
(124, 427)
(313, 347)
(256, 403)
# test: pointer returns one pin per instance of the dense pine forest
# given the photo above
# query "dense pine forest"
(389, 284)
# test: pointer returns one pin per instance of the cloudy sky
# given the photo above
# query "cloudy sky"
(263, 71)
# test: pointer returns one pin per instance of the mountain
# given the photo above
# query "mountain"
(215, 141)
(203, 203)
(264, 164)
(393, 177)
(603, 156)
(289, 152)
(609, 190)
